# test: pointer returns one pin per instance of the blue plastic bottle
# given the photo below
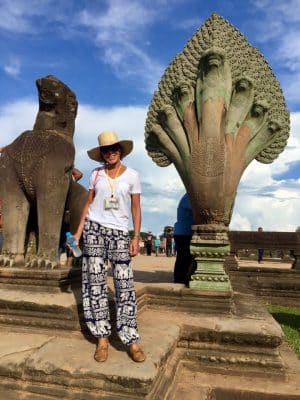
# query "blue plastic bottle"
(72, 243)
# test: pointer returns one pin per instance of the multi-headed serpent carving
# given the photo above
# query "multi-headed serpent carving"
(218, 107)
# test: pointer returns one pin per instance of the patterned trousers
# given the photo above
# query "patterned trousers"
(102, 244)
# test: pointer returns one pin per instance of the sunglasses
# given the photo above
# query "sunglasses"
(113, 149)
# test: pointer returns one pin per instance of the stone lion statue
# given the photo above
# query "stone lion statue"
(36, 184)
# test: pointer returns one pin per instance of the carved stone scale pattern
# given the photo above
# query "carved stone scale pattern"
(218, 107)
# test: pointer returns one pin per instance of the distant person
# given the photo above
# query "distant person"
(156, 246)
(173, 247)
(183, 267)
(76, 174)
(1, 235)
(149, 243)
(1, 217)
(63, 248)
(169, 237)
(141, 246)
(162, 247)
(260, 252)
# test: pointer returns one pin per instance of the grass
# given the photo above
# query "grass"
(289, 320)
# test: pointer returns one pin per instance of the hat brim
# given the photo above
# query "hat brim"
(96, 155)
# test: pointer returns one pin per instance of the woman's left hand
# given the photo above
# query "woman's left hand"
(134, 247)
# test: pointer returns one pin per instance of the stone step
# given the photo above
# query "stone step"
(249, 338)
(44, 310)
(59, 367)
(63, 310)
(55, 366)
(38, 280)
(191, 382)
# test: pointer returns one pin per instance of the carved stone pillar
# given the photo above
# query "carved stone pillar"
(217, 108)
(209, 246)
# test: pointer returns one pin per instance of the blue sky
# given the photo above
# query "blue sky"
(112, 54)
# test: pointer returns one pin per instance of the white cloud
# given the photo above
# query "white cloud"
(291, 86)
(12, 67)
(260, 175)
(264, 201)
(119, 31)
(274, 214)
(240, 223)
(289, 49)
(286, 9)
(15, 118)
(279, 27)
(33, 16)
(120, 21)
(117, 28)
(190, 24)
(17, 14)
(261, 201)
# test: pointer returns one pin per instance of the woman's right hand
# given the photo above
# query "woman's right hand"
(77, 236)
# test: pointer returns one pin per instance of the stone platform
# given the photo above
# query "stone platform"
(273, 281)
(191, 354)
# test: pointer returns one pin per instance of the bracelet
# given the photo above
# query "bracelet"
(136, 235)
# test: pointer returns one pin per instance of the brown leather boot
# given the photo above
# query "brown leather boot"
(101, 352)
(136, 353)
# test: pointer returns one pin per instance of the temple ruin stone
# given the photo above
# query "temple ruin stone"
(36, 184)
(218, 107)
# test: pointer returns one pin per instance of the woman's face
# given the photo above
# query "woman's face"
(111, 154)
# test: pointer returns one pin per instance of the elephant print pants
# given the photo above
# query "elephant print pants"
(102, 244)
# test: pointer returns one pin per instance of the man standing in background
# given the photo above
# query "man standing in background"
(182, 237)
(149, 243)
(260, 252)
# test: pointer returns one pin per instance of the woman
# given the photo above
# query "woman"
(113, 190)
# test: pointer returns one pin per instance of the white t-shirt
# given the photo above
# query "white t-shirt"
(125, 185)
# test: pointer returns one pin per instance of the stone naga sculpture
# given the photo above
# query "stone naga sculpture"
(218, 106)
(36, 180)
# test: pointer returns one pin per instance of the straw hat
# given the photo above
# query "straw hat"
(108, 138)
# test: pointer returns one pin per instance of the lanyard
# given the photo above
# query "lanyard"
(111, 181)
(94, 184)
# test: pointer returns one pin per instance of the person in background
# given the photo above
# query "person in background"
(162, 246)
(1, 235)
(156, 245)
(182, 236)
(76, 174)
(260, 252)
(1, 216)
(64, 249)
(114, 196)
(149, 243)
(169, 237)
(173, 247)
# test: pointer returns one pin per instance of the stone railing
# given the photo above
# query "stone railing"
(285, 241)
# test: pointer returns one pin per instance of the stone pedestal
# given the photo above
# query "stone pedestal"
(210, 246)
(40, 280)
(40, 299)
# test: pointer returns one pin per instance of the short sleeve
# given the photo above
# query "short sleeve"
(136, 184)
(93, 178)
